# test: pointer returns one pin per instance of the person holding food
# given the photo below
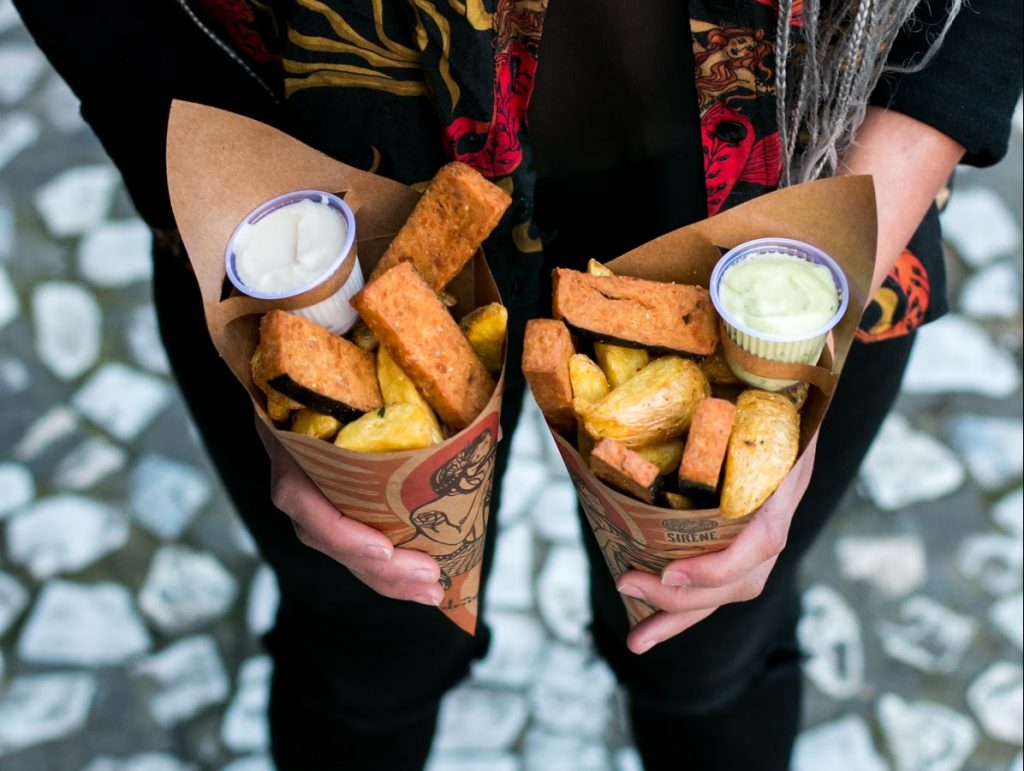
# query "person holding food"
(608, 124)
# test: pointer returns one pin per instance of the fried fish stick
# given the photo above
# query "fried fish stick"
(458, 210)
(422, 337)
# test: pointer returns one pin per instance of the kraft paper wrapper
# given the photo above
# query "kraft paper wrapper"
(221, 166)
(836, 215)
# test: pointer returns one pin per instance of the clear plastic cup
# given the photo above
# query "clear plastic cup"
(802, 348)
(335, 313)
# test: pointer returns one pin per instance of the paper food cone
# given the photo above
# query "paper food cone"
(836, 215)
(221, 166)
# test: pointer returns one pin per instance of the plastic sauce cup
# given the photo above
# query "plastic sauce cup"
(801, 348)
(334, 313)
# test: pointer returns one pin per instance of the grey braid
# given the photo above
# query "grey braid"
(842, 55)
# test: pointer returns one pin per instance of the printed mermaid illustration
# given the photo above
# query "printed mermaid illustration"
(458, 516)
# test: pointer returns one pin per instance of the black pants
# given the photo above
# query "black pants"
(358, 677)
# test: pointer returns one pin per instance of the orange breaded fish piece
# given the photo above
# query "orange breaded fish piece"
(317, 369)
(667, 317)
(547, 348)
(417, 330)
(706, 444)
(458, 210)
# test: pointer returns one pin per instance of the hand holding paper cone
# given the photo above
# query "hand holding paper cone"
(643, 525)
(410, 524)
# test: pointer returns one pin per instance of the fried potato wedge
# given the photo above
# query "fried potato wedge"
(664, 455)
(588, 381)
(390, 429)
(397, 388)
(620, 363)
(315, 424)
(762, 449)
(717, 370)
(595, 268)
(280, 407)
(680, 502)
(656, 405)
(485, 328)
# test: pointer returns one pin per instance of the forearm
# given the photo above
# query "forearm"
(910, 163)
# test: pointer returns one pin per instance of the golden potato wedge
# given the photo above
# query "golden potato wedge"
(279, 407)
(620, 363)
(588, 381)
(595, 268)
(664, 455)
(485, 328)
(679, 502)
(397, 388)
(762, 449)
(391, 428)
(315, 424)
(717, 370)
(654, 406)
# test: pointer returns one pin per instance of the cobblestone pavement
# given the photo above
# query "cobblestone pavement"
(131, 601)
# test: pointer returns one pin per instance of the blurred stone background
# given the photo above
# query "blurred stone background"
(131, 601)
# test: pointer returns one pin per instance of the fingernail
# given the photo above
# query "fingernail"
(428, 598)
(375, 553)
(422, 575)
(675, 578)
(631, 590)
(645, 646)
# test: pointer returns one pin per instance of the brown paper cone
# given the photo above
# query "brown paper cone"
(836, 215)
(220, 166)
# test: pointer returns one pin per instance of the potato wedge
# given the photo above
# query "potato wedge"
(485, 328)
(390, 429)
(717, 370)
(664, 455)
(679, 502)
(620, 363)
(315, 424)
(654, 406)
(397, 388)
(280, 407)
(588, 381)
(595, 268)
(762, 449)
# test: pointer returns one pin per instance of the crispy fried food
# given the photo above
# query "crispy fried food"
(397, 388)
(677, 318)
(363, 336)
(320, 371)
(717, 370)
(762, 449)
(547, 348)
(665, 455)
(588, 381)
(620, 363)
(390, 429)
(706, 444)
(426, 343)
(796, 394)
(595, 268)
(625, 470)
(280, 407)
(485, 328)
(680, 502)
(315, 424)
(458, 210)
(654, 406)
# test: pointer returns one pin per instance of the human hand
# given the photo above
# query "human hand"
(402, 574)
(690, 590)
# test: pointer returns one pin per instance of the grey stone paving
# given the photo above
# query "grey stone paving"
(131, 600)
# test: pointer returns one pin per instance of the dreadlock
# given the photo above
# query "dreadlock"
(841, 57)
